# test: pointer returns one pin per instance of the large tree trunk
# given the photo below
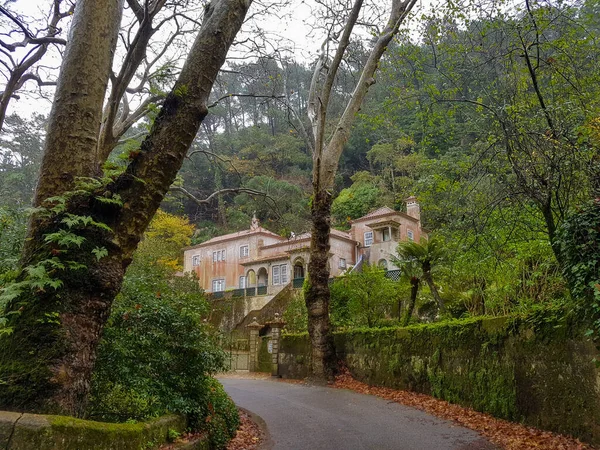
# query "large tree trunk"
(74, 120)
(47, 360)
(432, 287)
(414, 290)
(326, 158)
(317, 295)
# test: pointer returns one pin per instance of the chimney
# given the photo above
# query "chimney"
(412, 207)
(260, 245)
(255, 224)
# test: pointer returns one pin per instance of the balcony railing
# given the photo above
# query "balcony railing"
(297, 283)
(393, 275)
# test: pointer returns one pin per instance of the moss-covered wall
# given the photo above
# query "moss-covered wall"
(264, 357)
(539, 370)
(294, 355)
(42, 432)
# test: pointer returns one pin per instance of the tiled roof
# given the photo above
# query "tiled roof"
(343, 234)
(239, 234)
(383, 211)
(305, 236)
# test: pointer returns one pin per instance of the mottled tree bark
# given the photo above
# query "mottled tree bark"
(317, 296)
(326, 156)
(74, 120)
(47, 361)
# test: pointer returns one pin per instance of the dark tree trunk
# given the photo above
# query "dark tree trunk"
(414, 290)
(47, 360)
(317, 295)
(480, 284)
(551, 227)
(432, 287)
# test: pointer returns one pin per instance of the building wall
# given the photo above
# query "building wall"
(341, 249)
(382, 250)
(230, 269)
(269, 250)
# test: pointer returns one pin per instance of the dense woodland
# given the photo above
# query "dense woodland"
(489, 115)
(491, 120)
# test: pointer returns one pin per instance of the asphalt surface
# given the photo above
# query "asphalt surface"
(300, 417)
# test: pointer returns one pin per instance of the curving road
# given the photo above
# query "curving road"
(300, 417)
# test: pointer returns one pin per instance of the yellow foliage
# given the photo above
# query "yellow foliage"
(166, 235)
(171, 264)
(175, 230)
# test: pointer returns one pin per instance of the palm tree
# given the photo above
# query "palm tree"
(424, 255)
(411, 271)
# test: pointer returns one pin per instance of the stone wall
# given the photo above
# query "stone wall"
(538, 370)
(227, 313)
(43, 432)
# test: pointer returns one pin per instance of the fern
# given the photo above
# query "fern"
(65, 239)
(100, 252)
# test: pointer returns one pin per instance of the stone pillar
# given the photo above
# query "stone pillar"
(276, 326)
(254, 328)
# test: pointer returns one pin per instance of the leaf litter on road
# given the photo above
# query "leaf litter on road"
(505, 434)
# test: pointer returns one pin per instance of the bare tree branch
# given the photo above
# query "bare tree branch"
(17, 71)
(211, 197)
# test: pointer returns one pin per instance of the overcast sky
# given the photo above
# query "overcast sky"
(292, 28)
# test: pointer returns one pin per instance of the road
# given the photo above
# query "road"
(300, 417)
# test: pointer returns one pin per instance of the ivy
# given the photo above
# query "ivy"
(579, 240)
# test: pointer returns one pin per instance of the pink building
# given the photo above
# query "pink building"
(261, 263)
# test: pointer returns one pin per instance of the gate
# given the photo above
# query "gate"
(237, 347)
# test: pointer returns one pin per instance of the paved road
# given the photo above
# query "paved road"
(300, 417)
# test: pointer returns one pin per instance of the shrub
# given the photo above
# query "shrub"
(362, 298)
(579, 240)
(221, 415)
(296, 314)
(157, 353)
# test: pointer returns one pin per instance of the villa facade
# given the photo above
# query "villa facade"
(257, 261)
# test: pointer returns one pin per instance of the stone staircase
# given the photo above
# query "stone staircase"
(277, 304)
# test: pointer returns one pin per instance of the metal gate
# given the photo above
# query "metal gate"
(237, 348)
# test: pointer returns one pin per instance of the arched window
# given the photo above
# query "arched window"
(251, 278)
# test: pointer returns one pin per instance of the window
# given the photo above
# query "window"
(218, 285)
(280, 274)
(368, 238)
(219, 255)
(244, 251)
(385, 234)
(410, 234)
(195, 260)
(342, 264)
(242, 282)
